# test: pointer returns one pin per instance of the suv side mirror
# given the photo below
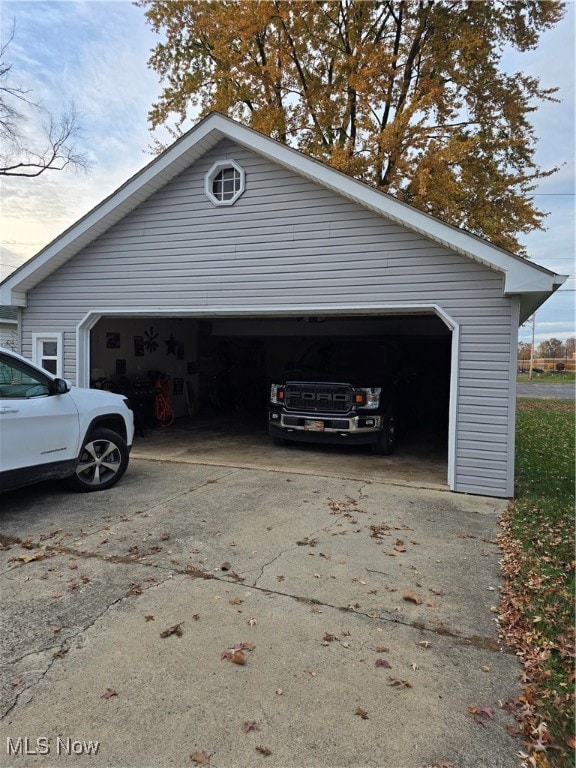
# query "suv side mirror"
(61, 386)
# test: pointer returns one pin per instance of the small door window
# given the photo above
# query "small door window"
(47, 352)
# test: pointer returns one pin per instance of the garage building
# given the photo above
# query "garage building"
(220, 262)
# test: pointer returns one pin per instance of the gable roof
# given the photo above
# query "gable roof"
(533, 283)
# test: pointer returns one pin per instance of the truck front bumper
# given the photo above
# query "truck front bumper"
(322, 426)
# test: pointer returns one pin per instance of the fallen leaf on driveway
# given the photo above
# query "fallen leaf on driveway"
(399, 546)
(361, 713)
(411, 597)
(251, 725)
(235, 654)
(264, 750)
(379, 531)
(38, 555)
(108, 693)
(175, 629)
(482, 715)
(200, 758)
(396, 682)
(382, 663)
(149, 617)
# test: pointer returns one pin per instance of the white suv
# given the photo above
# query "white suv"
(50, 429)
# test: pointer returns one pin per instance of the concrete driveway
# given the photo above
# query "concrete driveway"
(363, 613)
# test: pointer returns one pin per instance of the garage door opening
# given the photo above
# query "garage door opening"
(220, 371)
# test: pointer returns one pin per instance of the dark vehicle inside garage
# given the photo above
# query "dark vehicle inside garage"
(220, 372)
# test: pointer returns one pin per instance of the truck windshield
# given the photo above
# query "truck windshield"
(345, 359)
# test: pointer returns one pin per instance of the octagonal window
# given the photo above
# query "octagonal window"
(224, 182)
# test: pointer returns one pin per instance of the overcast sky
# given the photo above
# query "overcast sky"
(94, 53)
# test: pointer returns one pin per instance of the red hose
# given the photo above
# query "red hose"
(163, 410)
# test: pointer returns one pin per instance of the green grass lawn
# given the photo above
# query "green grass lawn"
(548, 377)
(537, 603)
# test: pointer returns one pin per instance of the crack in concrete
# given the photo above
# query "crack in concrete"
(65, 646)
(6, 541)
(477, 642)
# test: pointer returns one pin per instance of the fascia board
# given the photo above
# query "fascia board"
(530, 301)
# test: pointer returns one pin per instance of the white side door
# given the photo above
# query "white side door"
(36, 427)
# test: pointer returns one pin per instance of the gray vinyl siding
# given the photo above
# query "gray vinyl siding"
(286, 243)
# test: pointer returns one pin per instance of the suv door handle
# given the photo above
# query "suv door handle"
(7, 409)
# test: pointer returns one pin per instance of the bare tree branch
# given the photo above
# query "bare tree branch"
(55, 149)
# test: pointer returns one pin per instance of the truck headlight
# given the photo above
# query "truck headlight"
(368, 397)
(276, 394)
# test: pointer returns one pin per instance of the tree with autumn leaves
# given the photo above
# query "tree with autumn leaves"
(409, 97)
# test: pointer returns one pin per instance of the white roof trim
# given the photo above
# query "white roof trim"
(520, 275)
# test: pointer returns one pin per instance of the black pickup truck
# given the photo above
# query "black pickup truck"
(340, 391)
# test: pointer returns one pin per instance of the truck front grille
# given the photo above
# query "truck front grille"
(318, 398)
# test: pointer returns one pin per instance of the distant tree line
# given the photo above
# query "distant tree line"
(552, 348)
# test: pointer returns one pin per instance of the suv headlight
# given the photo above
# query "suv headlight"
(277, 394)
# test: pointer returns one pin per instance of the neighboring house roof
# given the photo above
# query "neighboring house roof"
(533, 283)
(9, 315)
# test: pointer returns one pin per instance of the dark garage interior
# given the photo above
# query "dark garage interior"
(217, 372)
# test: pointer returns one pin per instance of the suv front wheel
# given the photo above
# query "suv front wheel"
(102, 462)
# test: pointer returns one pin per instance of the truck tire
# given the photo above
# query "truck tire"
(386, 442)
(102, 462)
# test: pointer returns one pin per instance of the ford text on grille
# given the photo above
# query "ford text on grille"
(319, 398)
